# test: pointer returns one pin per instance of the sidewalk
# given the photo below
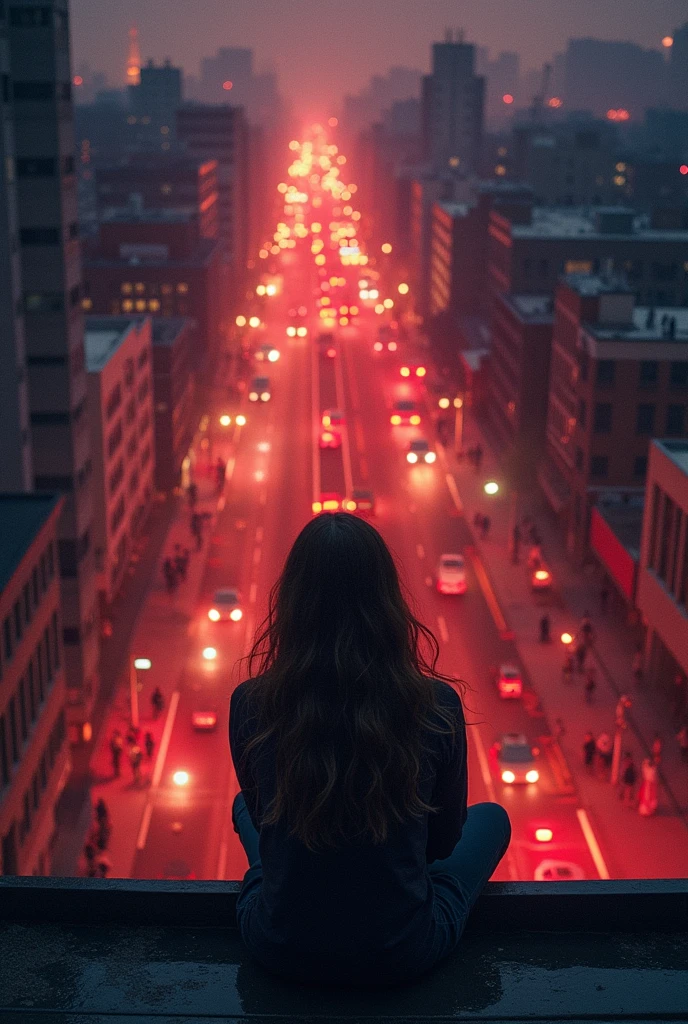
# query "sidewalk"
(657, 846)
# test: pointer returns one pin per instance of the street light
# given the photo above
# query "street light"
(137, 665)
(566, 639)
(209, 653)
(180, 778)
(491, 487)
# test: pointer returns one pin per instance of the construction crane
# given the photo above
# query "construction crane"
(540, 98)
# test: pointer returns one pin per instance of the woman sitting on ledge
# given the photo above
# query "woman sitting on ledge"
(350, 750)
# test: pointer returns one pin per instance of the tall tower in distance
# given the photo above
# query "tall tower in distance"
(134, 58)
(455, 106)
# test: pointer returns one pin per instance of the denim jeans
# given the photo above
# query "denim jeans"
(457, 880)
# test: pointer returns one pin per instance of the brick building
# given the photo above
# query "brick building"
(618, 378)
(34, 752)
(174, 388)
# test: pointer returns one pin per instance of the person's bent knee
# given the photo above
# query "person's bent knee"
(495, 816)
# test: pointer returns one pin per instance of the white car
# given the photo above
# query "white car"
(451, 575)
(226, 606)
(420, 451)
(259, 390)
(515, 759)
(558, 871)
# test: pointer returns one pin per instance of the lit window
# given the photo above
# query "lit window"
(182, 287)
(154, 305)
(140, 305)
(87, 303)
(139, 288)
(126, 288)
(166, 289)
(127, 305)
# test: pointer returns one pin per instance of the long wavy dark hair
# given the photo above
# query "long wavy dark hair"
(342, 687)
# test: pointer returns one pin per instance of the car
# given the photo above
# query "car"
(361, 502)
(330, 439)
(326, 344)
(267, 353)
(451, 574)
(558, 871)
(515, 759)
(330, 501)
(259, 390)
(509, 682)
(413, 370)
(405, 413)
(419, 450)
(541, 578)
(226, 606)
(204, 721)
(333, 418)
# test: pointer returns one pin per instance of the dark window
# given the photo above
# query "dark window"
(599, 465)
(23, 719)
(30, 17)
(579, 459)
(44, 572)
(648, 372)
(56, 633)
(50, 418)
(50, 561)
(39, 236)
(4, 754)
(65, 91)
(40, 673)
(34, 586)
(74, 229)
(605, 373)
(34, 90)
(5, 88)
(35, 793)
(47, 360)
(54, 483)
(74, 295)
(48, 656)
(675, 419)
(25, 823)
(69, 165)
(71, 635)
(68, 559)
(36, 167)
(603, 418)
(678, 375)
(18, 621)
(28, 611)
(114, 401)
(14, 736)
(645, 419)
(43, 769)
(31, 690)
(43, 302)
(7, 637)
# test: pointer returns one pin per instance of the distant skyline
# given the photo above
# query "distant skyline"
(320, 54)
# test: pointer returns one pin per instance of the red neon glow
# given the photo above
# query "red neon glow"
(507, 98)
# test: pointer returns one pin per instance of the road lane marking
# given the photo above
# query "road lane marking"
(360, 439)
(263, 496)
(444, 632)
(253, 593)
(229, 469)
(591, 840)
(257, 552)
(454, 491)
(157, 771)
(363, 466)
(353, 387)
(420, 550)
(488, 593)
(221, 504)
(259, 534)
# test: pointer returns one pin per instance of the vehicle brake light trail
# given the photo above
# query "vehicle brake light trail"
(442, 626)
(157, 771)
(591, 840)
(454, 491)
(346, 448)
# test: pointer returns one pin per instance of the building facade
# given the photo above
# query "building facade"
(34, 751)
(618, 378)
(119, 360)
(174, 388)
(155, 101)
(51, 273)
(662, 595)
(456, 102)
(16, 465)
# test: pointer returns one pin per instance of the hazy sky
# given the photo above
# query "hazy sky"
(325, 48)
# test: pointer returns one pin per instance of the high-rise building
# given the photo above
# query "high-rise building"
(456, 107)
(678, 69)
(51, 273)
(155, 102)
(16, 471)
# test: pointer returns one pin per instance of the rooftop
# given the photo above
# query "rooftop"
(677, 451)
(104, 335)
(565, 222)
(166, 329)
(647, 326)
(82, 950)
(590, 285)
(22, 516)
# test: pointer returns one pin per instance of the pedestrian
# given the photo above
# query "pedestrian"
(90, 858)
(135, 756)
(605, 748)
(682, 737)
(170, 574)
(116, 747)
(628, 779)
(545, 636)
(192, 495)
(197, 530)
(535, 557)
(647, 802)
(678, 697)
(590, 684)
(485, 526)
(657, 749)
(637, 665)
(478, 457)
(515, 544)
(149, 744)
(589, 747)
(101, 811)
(604, 596)
(101, 833)
(586, 628)
(567, 668)
(179, 563)
(133, 733)
(157, 702)
(581, 654)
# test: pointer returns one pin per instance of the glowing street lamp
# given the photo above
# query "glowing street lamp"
(491, 487)
(444, 403)
(209, 653)
(225, 421)
(137, 665)
(240, 321)
(403, 288)
(566, 639)
(181, 778)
